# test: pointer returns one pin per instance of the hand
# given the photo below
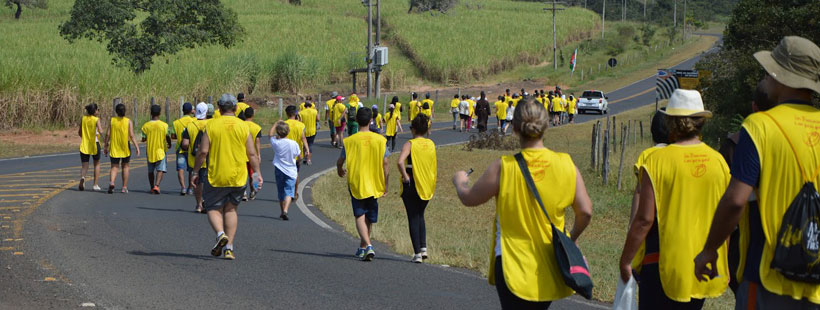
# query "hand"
(194, 180)
(705, 258)
(460, 178)
(406, 179)
(626, 271)
(138, 152)
(342, 172)
(259, 181)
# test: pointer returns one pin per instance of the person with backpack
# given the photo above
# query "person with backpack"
(155, 133)
(352, 107)
(417, 165)
(182, 155)
(120, 133)
(191, 141)
(339, 120)
(90, 132)
(681, 185)
(392, 126)
(776, 158)
(426, 107)
(523, 266)
(376, 122)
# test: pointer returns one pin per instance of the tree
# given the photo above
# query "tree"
(164, 27)
(40, 4)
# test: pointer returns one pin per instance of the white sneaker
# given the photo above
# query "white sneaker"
(416, 259)
(423, 253)
(97, 188)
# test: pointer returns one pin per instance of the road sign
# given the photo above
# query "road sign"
(612, 62)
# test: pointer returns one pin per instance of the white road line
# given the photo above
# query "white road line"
(301, 203)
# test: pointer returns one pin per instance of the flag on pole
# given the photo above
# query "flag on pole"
(572, 60)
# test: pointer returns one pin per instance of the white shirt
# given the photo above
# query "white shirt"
(464, 108)
(285, 152)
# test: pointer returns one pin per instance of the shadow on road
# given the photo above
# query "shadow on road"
(166, 254)
(337, 255)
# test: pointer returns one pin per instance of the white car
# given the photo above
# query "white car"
(593, 100)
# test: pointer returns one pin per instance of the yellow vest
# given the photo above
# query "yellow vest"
(309, 120)
(88, 145)
(338, 113)
(557, 105)
(120, 135)
(379, 120)
(501, 109)
(155, 133)
(637, 262)
(529, 263)
(254, 129)
(297, 129)
(365, 174)
(454, 103)
(781, 180)
(179, 126)
(688, 183)
(514, 101)
(572, 105)
(414, 109)
(392, 120)
(397, 109)
(194, 128)
(240, 107)
(429, 111)
(472, 107)
(423, 156)
(227, 153)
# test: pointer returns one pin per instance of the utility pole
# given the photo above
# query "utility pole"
(603, 19)
(369, 56)
(683, 37)
(378, 43)
(554, 37)
(675, 15)
(623, 8)
(644, 10)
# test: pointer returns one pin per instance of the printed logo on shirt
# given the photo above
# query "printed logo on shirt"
(697, 163)
(812, 139)
(538, 169)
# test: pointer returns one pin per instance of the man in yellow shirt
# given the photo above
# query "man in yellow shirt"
(454, 110)
(776, 156)
(191, 146)
(414, 107)
(158, 140)
(339, 120)
(365, 154)
(501, 112)
(429, 111)
(226, 145)
(182, 155)
(329, 117)
(572, 105)
(308, 118)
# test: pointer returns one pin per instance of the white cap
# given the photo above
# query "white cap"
(686, 103)
(201, 110)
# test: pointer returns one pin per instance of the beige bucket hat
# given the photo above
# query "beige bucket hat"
(795, 62)
(686, 103)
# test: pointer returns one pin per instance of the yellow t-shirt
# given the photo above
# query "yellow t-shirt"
(501, 110)
(88, 144)
(364, 153)
(254, 129)
(781, 180)
(120, 134)
(338, 114)
(530, 269)
(179, 126)
(472, 107)
(392, 121)
(515, 101)
(301, 106)
(297, 130)
(398, 109)
(240, 107)
(429, 110)
(557, 104)
(414, 109)
(329, 105)
(571, 105)
(423, 156)
(227, 154)
(379, 120)
(155, 132)
(194, 129)
(676, 172)
(637, 262)
(454, 103)
(308, 117)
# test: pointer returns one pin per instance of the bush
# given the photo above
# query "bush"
(245, 70)
(491, 140)
(292, 72)
(430, 5)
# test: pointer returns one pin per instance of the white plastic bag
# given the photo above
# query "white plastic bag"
(625, 295)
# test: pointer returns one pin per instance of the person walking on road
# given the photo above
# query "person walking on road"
(256, 134)
(352, 106)
(181, 154)
(157, 142)
(418, 168)
(191, 145)
(329, 116)
(776, 158)
(308, 118)
(482, 112)
(120, 132)
(367, 170)
(90, 131)
(413, 107)
(668, 209)
(522, 238)
(339, 119)
(395, 102)
(426, 107)
(392, 126)
(454, 110)
(464, 112)
(296, 133)
(285, 154)
(572, 108)
(225, 147)
(501, 114)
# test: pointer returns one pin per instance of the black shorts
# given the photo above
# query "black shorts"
(117, 161)
(86, 157)
(464, 117)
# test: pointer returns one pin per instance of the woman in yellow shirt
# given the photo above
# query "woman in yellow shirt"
(392, 126)
(528, 275)
(90, 131)
(681, 185)
(417, 165)
(120, 132)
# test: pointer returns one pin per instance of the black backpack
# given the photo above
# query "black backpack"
(351, 112)
(195, 148)
(798, 240)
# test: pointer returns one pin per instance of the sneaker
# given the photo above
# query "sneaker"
(416, 259)
(182, 192)
(97, 188)
(155, 190)
(125, 190)
(423, 253)
(252, 196)
(245, 197)
(369, 254)
(284, 216)
(221, 242)
(111, 189)
(360, 253)
(189, 191)
(229, 254)
(82, 184)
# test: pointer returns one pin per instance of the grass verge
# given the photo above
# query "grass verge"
(459, 236)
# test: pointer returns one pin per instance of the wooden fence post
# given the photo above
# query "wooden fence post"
(136, 116)
(592, 151)
(605, 165)
(641, 123)
(615, 133)
(621, 165)
(280, 108)
(167, 107)
(598, 133)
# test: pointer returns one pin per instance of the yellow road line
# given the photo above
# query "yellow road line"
(13, 201)
(7, 248)
(633, 96)
(20, 195)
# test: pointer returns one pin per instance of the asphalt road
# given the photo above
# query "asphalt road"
(60, 248)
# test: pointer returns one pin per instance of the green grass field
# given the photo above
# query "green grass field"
(461, 236)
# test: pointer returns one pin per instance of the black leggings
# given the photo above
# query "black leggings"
(391, 142)
(415, 214)
(507, 298)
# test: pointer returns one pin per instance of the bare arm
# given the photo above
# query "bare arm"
(80, 130)
(340, 170)
(641, 224)
(305, 144)
(483, 190)
(728, 214)
(398, 123)
(201, 156)
(253, 158)
(386, 168)
(582, 207)
(133, 137)
(258, 150)
(636, 196)
(99, 129)
(107, 140)
(405, 152)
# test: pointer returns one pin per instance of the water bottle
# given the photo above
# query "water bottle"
(256, 185)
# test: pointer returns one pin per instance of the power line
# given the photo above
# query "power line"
(554, 38)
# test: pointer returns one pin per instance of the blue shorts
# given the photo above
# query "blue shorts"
(285, 185)
(182, 161)
(158, 166)
(369, 207)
